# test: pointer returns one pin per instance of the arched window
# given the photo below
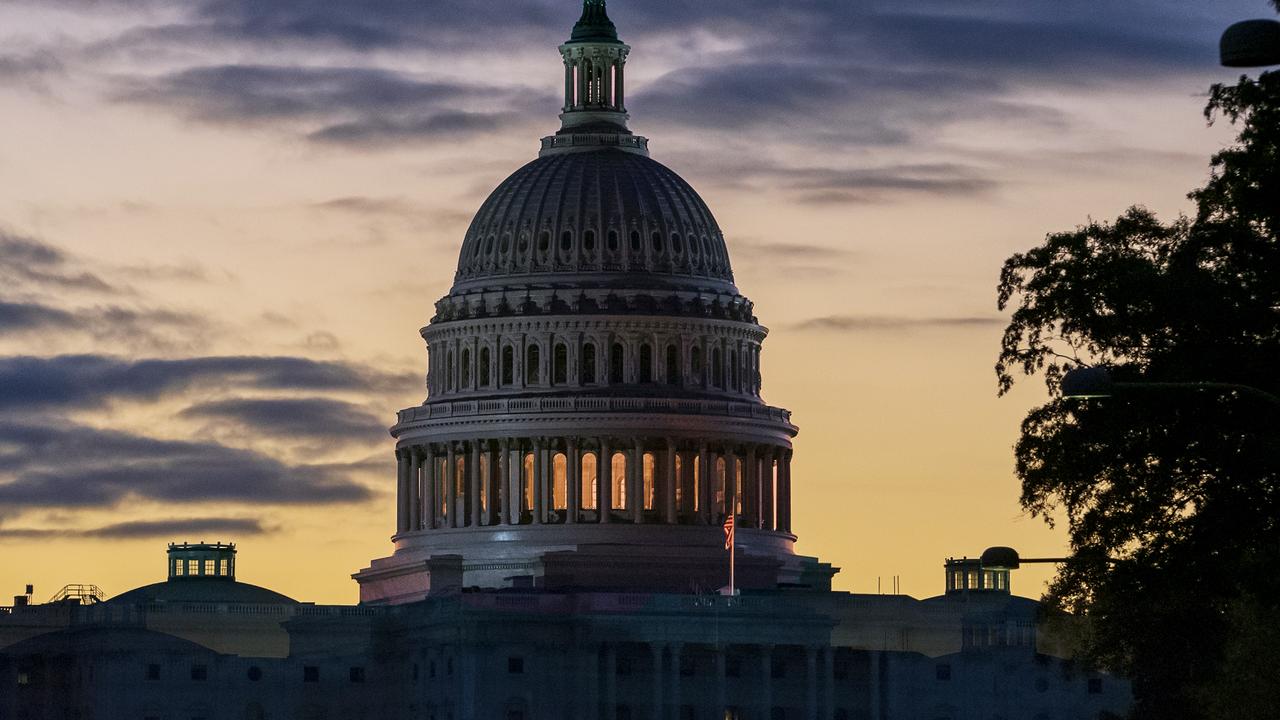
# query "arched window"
(544, 241)
(508, 365)
(589, 241)
(676, 246)
(589, 364)
(649, 467)
(615, 364)
(532, 370)
(449, 372)
(526, 483)
(466, 368)
(734, 374)
(646, 363)
(673, 365)
(559, 481)
(566, 241)
(695, 364)
(619, 462)
(484, 378)
(481, 477)
(657, 241)
(613, 241)
(560, 365)
(635, 241)
(717, 368)
(588, 490)
(718, 487)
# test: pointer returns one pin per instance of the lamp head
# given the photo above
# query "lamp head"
(1250, 43)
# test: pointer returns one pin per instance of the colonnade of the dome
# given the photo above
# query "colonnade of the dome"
(574, 353)
(592, 479)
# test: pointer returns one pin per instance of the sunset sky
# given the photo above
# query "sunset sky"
(222, 223)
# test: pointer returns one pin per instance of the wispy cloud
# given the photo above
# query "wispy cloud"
(878, 323)
(147, 529)
(318, 418)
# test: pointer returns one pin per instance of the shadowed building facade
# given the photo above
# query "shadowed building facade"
(594, 413)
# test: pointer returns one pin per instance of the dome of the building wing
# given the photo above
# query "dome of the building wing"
(601, 216)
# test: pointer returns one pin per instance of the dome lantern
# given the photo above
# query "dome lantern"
(594, 111)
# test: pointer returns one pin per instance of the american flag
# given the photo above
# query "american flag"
(728, 533)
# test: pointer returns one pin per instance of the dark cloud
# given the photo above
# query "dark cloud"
(87, 381)
(317, 418)
(33, 70)
(873, 323)
(773, 250)
(336, 105)
(147, 529)
(65, 465)
(26, 261)
(137, 329)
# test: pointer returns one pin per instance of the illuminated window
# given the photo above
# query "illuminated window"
(208, 567)
(559, 481)
(649, 469)
(589, 481)
(619, 464)
(528, 481)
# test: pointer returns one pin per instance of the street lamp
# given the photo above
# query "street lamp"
(1006, 558)
(1250, 43)
(1096, 382)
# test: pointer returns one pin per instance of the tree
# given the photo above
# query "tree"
(1171, 498)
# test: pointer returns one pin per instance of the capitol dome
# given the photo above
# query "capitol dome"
(606, 216)
(594, 410)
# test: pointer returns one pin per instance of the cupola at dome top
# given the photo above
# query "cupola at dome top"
(594, 111)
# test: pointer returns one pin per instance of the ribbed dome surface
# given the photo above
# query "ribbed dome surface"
(594, 214)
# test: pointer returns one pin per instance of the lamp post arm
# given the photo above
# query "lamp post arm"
(1244, 389)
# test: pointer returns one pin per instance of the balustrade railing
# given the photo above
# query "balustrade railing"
(592, 404)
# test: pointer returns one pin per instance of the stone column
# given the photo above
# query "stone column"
(669, 482)
(618, 86)
(504, 482)
(751, 488)
(785, 493)
(766, 682)
(403, 499)
(636, 496)
(655, 650)
(604, 476)
(450, 487)
(811, 682)
(539, 486)
(572, 481)
(767, 483)
(415, 505)
(493, 491)
(429, 502)
(473, 483)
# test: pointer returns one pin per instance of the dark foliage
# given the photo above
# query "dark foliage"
(1172, 497)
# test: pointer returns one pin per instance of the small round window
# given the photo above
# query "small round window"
(255, 673)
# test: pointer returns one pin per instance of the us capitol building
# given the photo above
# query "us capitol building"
(594, 415)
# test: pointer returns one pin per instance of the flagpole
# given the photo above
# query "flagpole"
(733, 549)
